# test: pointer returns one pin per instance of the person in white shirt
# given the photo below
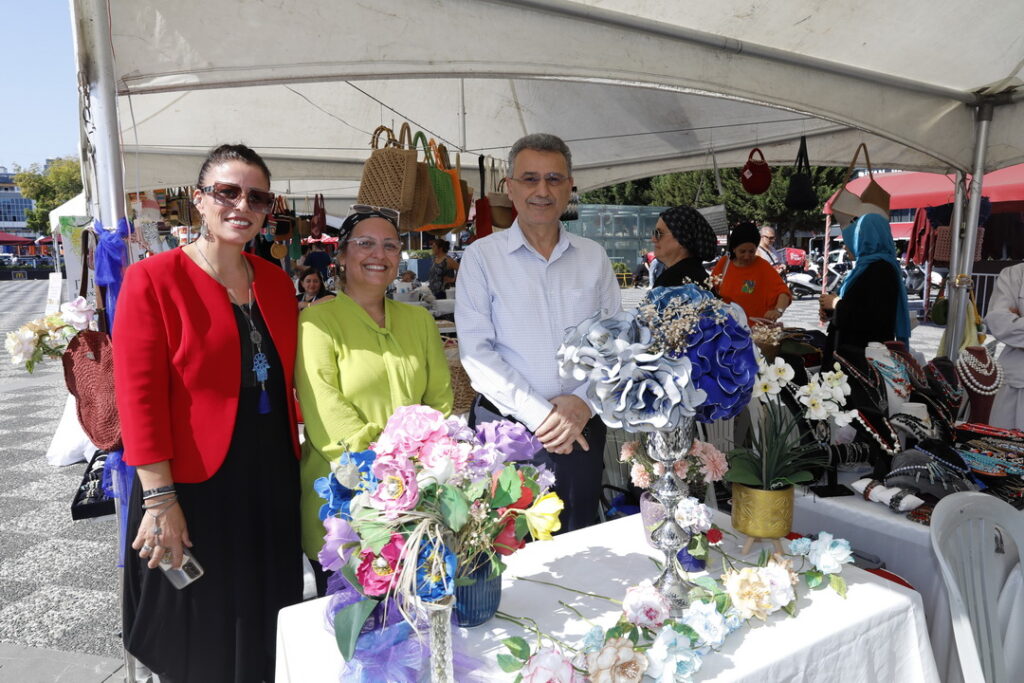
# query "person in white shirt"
(1005, 323)
(766, 248)
(518, 292)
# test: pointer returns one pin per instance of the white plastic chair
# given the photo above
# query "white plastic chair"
(971, 534)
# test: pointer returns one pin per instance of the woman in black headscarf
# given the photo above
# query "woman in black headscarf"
(682, 240)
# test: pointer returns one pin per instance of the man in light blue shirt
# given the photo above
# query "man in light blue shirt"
(518, 292)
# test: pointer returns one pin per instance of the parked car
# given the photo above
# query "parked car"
(6, 260)
(27, 262)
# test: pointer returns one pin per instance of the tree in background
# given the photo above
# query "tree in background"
(50, 188)
(698, 189)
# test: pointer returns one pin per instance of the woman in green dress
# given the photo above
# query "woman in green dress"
(361, 356)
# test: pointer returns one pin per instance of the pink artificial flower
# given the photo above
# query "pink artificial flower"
(378, 573)
(645, 606)
(434, 453)
(640, 476)
(409, 428)
(713, 463)
(628, 453)
(681, 467)
(397, 490)
(549, 665)
(334, 555)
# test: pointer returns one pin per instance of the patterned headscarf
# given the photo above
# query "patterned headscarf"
(691, 230)
(354, 219)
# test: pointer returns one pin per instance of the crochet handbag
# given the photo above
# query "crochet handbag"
(756, 175)
(389, 175)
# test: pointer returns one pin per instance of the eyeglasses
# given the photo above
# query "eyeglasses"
(390, 214)
(368, 244)
(657, 234)
(533, 179)
(229, 194)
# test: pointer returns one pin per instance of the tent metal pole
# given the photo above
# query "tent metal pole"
(462, 115)
(962, 282)
(956, 223)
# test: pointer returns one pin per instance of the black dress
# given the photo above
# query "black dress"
(244, 526)
(866, 313)
(689, 268)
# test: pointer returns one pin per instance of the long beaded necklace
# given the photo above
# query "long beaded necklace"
(892, 449)
(942, 461)
(871, 388)
(895, 375)
(966, 363)
(952, 395)
(914, 370)
(260, 364)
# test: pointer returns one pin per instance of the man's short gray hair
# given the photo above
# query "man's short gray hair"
(540, 142)
(767, 227)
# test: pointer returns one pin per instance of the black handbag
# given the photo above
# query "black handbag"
(91, 501)
(800, 195)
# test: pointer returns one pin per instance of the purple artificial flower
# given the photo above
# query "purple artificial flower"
(545, 478)
(333, 555)
(459, 430)
(511, 438)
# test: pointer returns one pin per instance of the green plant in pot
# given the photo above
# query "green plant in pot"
(783, 450)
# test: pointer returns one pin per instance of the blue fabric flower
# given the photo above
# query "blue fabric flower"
(708, 622)
(689, 293)
(337, 496)
(724, 367)
(671, 659)
(800, 546)
(435, 571)
(351, 474)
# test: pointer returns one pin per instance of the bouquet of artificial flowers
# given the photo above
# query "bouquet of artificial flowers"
(429, 503)
(702, 465)
(681, 355)
(48, 337)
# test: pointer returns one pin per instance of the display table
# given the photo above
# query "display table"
(905, 548)
(876, 634)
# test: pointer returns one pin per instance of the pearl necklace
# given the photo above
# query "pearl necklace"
(895, 375)
(966, 362)
(877, 436)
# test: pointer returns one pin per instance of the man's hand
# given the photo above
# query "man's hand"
(564, 425)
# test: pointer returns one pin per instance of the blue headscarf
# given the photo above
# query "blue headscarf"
(870, 240)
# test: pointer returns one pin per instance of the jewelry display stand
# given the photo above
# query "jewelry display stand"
(894, 375)
(981, 376)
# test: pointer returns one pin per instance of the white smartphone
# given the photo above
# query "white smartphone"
(189, 572)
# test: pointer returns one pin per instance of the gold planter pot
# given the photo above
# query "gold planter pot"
(762, 514)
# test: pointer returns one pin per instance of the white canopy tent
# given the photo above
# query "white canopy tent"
(629, 83)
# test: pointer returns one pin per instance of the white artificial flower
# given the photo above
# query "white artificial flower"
(21, 344)
(781, 371)
(77, 313)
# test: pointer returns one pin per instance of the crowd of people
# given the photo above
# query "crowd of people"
(212, 353)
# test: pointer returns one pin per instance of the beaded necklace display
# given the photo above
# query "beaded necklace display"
(910, 364)
(892, 448)
(942, 461)
(966, 364)
(913, 425)
(260, 364)
(871, 388)
(952, 395)
(895, 375)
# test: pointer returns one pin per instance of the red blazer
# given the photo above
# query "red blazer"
(177, 360)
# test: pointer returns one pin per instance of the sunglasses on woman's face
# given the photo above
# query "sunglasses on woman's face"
(229, 194)
(657, 234)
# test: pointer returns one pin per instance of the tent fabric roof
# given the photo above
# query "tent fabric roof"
(10, 239)
(627, 82)
(916, 190)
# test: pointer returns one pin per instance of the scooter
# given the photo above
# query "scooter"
(808, 283)
(913, 279)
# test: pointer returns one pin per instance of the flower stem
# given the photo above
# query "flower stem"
(572, 590)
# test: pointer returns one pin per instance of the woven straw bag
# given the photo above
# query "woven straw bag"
(424, 204)
(462, 388)
(503, 212)
(441, 183)
(874, 199)
(389, 175)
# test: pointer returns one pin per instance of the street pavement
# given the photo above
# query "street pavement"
(59, 605)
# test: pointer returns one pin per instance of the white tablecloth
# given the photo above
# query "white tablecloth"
(876, 634)
(905, 548)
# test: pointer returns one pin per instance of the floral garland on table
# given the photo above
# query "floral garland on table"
(48, 337)
(646, 642)
(412, 517)
(681, 354)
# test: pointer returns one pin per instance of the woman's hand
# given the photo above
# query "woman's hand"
(773, 314)
(166, 535)
(828, 301)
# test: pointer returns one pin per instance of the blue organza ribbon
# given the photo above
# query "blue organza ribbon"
(110, 260)
(117, 483)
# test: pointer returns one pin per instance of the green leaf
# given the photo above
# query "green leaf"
(813, 579)
(743, 471)
(687, 631)
(518, 679)
(347, 624)
(454, 507)
(762, 558)
(349, 572)
(634, 635)
(698, 547)
(375, 535)
(722, 603)
(518, 647)
(838, 584)
(790, 609)
(477, 488)
(508, 663)
(522, 527)
(509, 488)
(708, 583)
(464, 581)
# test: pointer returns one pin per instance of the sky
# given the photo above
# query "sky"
(39, 114)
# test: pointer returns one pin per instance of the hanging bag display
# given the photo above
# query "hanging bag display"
(800, 195)
(482, 223)
(756, 176)
(874, 199)
(318, 222)
(450, 185)
(424, 204)
(572, 209)
(467, 191)
(89, 372)
(389, 175)
(503, 212)
(441, 184)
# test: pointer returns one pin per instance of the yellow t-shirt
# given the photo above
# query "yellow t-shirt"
(350, 376)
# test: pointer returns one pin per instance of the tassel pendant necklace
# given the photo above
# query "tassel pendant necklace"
(260, 364)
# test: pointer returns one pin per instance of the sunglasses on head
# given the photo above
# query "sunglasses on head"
(229, 194)
(390, 214)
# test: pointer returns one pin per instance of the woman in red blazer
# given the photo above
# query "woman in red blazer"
(204, 352)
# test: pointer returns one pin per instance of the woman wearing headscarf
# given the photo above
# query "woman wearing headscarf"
(683, 239)
(749, 280)
(872, 303)
(361, 356)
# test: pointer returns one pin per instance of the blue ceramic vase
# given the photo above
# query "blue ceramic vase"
(477, 602)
